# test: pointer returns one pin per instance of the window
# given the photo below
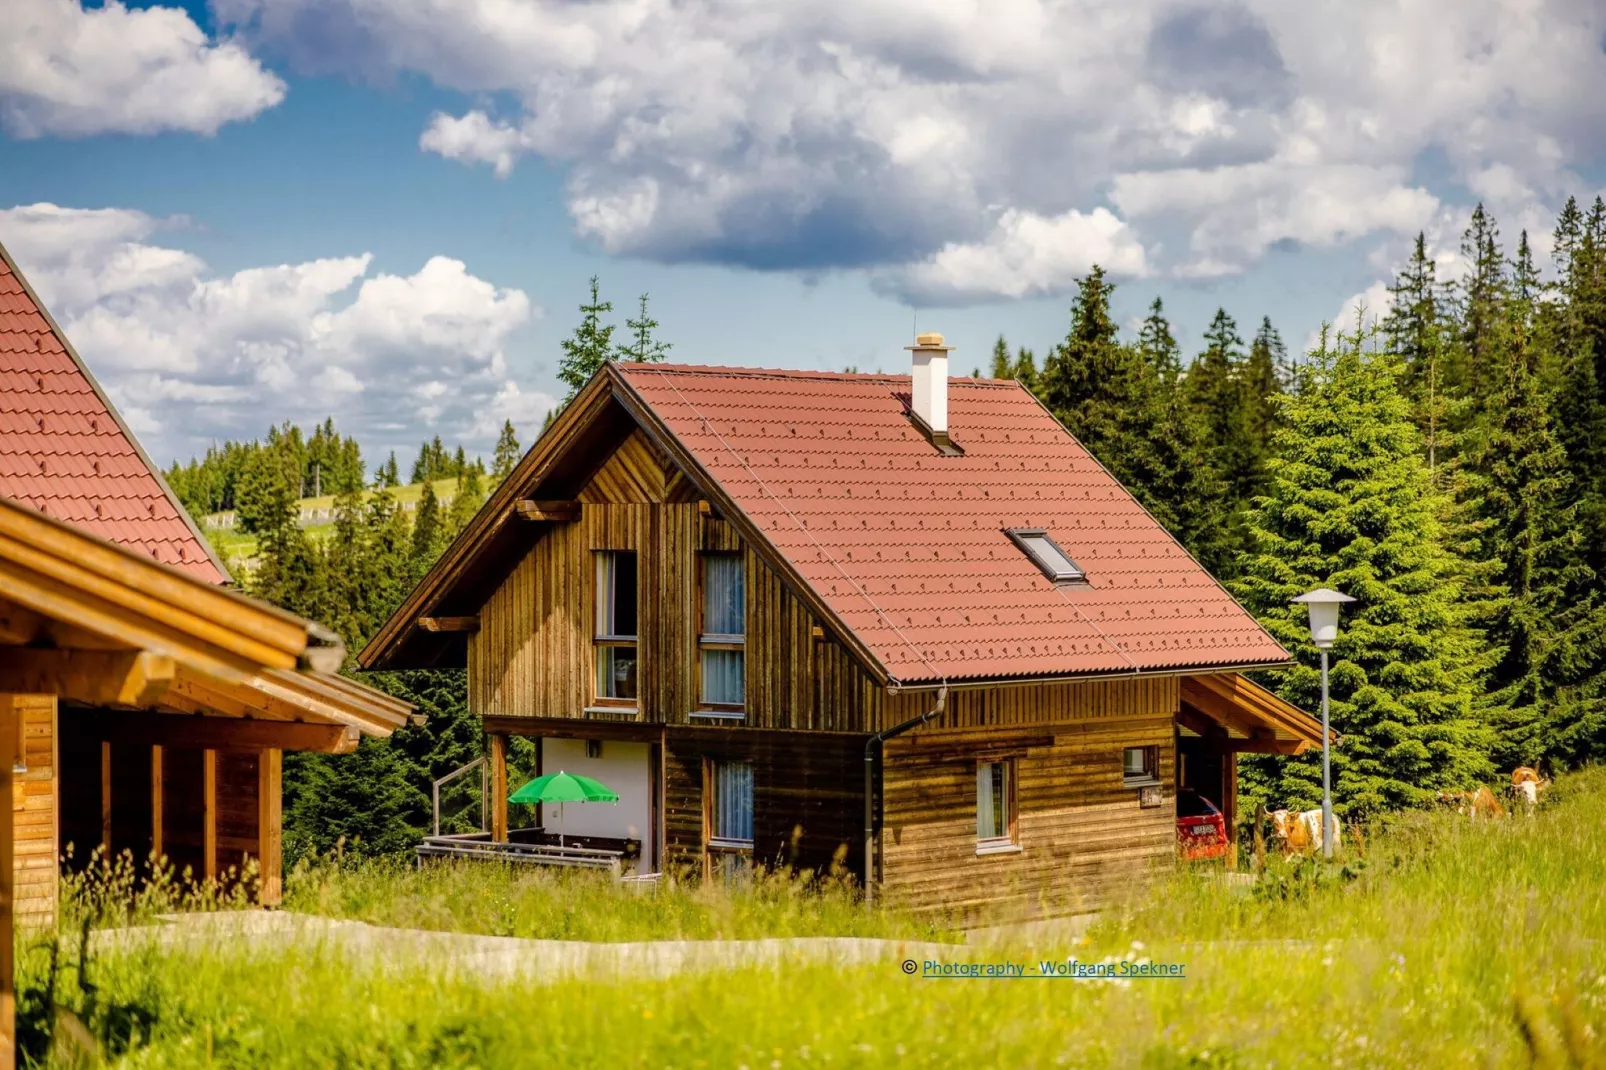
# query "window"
(995, 806)
(728, 815)
(616, 627)
(722, 644)
(1047, 555)
(1140, 766)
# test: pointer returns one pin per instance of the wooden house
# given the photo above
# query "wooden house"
(148, 756)
(905, 622)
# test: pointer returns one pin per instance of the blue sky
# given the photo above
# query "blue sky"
(245, 212)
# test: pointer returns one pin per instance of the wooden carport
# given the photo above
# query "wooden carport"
(185, 694)
(1223, 715)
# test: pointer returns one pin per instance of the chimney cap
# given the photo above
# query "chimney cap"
(929, 340)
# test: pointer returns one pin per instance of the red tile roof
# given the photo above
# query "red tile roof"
(907, 547)
(64, 450)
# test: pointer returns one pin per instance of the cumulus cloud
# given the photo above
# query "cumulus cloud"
(899, 137)
(1025, 255)
(193, 357)
(72, 71)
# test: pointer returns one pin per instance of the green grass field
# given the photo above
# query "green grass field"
(1447, 943)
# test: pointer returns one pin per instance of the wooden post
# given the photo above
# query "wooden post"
(209, 814)
(1229, 806)
(156, 803)
(270, 824)
(498, 801)
(1260, 836)
(8, 999)
(106, 799)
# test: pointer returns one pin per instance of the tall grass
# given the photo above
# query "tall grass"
(572, 904)
(1447, 943)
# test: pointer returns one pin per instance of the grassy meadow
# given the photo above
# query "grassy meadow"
(1445, 942)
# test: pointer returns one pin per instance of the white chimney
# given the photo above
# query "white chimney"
(928, 388)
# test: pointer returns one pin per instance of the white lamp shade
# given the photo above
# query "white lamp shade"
(1323, 604)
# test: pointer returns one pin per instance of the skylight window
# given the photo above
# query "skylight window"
(1047, 555)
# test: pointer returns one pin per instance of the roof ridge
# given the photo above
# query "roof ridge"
(641, 368)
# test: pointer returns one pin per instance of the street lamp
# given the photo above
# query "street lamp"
(1323, 604)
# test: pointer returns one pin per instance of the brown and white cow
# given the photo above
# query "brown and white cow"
(1526, 784)
(1301, 831)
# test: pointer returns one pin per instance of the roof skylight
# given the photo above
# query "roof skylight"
(1047, 555)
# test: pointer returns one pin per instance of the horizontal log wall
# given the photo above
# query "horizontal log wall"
(1082, 833)
(33, 813)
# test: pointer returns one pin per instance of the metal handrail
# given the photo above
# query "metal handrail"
(485, 790)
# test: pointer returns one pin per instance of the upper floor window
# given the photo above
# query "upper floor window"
(722, 642)
(616, 625)
(1047, 555)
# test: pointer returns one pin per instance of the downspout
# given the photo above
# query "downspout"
(869, 784)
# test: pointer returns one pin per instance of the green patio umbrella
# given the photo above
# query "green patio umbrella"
(560, 788)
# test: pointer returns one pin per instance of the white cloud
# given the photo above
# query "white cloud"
(1025, 255)
(198, 357)
(896, 135)
(73, 71)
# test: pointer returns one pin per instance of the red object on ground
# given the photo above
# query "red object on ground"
(1201, 827)
(64, 450)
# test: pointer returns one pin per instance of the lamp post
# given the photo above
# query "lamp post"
(1323, 604)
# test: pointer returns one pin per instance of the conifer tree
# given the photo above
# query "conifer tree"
(507, 452)
(466, 501)
(1003, 366)
(644, 346)
(1531, 532)
(1350, 506)
(589, 347)
(1479, 372)
(1233, 433)
(428, 535)
(1415, 328)
(1159, 346)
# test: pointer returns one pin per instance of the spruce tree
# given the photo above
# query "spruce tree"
(507, 453)
(1002, 366)
(1350, 506)
(643, 347)
(589, 347)
(1478, 373)
(1415, 328)
(428, 533)
(1159, 346)
(1233, 428)
(1531, 532)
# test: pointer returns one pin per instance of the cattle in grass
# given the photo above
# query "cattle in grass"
(1301, 831)
(1526, 784)
(1475, 804)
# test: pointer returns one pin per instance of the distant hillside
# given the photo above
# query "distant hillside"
(314, 513)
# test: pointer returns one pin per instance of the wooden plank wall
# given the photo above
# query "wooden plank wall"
(533, 655)
(33, 812)
(184, 810)
(808, 798)
(1081, 832)
(238, 837)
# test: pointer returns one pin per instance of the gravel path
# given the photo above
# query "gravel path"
(500, 958)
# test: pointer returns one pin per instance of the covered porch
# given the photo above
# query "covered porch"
(1223, 715)
(166, 700)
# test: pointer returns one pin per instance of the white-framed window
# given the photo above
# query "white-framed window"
(617, 599)
(996, 824)
(1140, 766)
(1046, 554)
(728, 815)
(722, 639)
